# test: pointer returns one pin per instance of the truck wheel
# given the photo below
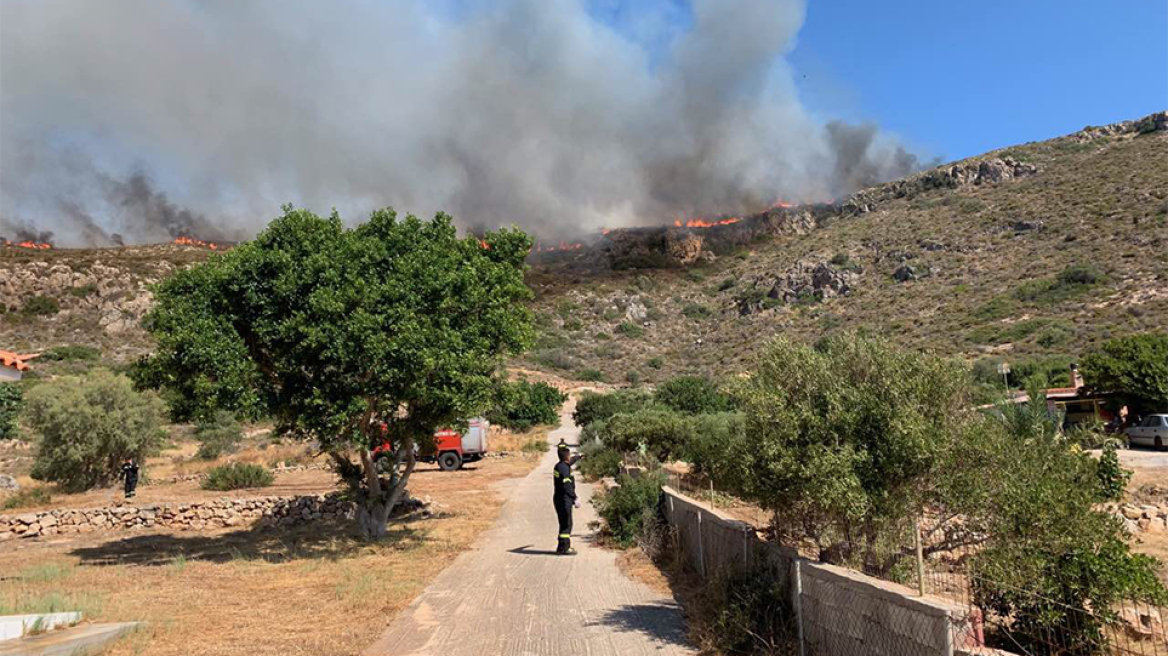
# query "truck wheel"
(449, 461)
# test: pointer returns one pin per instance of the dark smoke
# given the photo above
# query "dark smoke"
(151, 120)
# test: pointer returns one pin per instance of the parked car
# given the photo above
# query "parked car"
(1152, 431)
(451, 448)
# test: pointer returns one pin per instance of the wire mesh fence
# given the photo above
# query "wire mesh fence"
(936, 564)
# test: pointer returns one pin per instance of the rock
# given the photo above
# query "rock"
(8, 483)
(1027, 226)
(904, 273)
(636, 312)
(1131, 512)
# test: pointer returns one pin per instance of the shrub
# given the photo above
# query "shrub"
(727, 284)
(28, 497)
(1112, 478)
(630, 330)
(522, 405)
(628, 508)
(658, 432)
(11, 402)
(594, 406)
(1069, 282)
(745, 612)
(82, 291)
(633, 377)
(590, 375)
(599, 461)
(219, 436)
(236, 476)
(696, 311)
(718, 444)
(694, 395)
(70, 352)
(655, 362)
(40, 306)
(87, 425)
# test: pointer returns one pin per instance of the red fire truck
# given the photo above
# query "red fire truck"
(451, 449)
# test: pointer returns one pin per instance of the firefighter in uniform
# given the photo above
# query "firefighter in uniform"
(564, 497)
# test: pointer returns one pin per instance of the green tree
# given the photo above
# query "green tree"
(658, 432)
(222, 434)
(11, 401)
(594, 406)
(845, 436)
(394, 328)
(86, 426)
(522, 405)
(1135, 366)
(693, 395)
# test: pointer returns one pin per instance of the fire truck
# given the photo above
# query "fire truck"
(451, 448)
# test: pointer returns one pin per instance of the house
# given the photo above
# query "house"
(13, 365)
(1078, 404)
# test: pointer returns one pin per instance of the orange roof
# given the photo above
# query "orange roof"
(15, 360)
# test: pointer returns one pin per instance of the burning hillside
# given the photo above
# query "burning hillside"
(30, 245)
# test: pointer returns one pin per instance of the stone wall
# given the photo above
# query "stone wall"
(839, 612)
(217, 513)
(1142, 518)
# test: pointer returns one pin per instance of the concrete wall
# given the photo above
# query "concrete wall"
(841, 612)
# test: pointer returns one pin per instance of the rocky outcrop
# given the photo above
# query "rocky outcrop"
(218, 513)
(969, 173)
(804, 282)
(655, 248)
(1142, 518)
(1157, 122)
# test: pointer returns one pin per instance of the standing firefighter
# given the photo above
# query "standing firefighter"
(130, 476)
(564, 497)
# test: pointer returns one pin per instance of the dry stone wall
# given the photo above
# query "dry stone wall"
(1143, 518)
(217, 513)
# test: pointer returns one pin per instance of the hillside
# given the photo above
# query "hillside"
(1032, 254)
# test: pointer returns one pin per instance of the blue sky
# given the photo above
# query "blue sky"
(960, 78)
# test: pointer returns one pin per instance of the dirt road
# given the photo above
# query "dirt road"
(512, 596)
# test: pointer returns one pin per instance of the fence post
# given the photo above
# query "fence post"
(701, 546)
(920, 556)
(797, 599)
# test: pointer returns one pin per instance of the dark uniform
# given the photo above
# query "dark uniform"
(564, 498)
(130, 476)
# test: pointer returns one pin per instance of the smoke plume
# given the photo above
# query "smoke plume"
(151, 120)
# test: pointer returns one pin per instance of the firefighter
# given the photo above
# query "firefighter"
(564, 497)
(130, 476)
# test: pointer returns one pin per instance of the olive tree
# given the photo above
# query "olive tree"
(1135, 366)
(844, 436)
(85, 426)
(348, 337)
(11, 402)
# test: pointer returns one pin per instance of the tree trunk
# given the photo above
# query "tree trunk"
(378, 502)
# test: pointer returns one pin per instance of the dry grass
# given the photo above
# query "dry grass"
(312, 590)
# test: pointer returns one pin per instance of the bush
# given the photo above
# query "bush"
(658, 432)
(11, 402)
(745, 612)
(599, 461)
(594, 406)
(628, 508)
(630, 330)
(71, 352)
(1112, 478)
(1069, 282)
(590, 375)
(82, 291)
(522, 405)
(87, 425)
(696, 311)
(236, 476)
(1136, 366)
(693, 395)
(718, 445)
(40, 306)
(655, 362)
(219, 436)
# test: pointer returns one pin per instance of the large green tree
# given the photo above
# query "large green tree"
(1135, 366)
(393, 329)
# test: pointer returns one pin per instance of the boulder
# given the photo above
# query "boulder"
(8, 483)
(904, 273)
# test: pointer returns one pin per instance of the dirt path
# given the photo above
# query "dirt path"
(512, 596)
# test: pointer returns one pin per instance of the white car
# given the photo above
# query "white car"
(1152, 431)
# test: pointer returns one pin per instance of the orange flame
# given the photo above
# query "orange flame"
(703, 223)
(191, 241)
(485, 245)
(563, 246)
(31, 245)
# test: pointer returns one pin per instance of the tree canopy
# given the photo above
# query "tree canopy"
(391, 329)
(1135, 366)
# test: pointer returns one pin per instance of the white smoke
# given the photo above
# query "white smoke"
(148, 119)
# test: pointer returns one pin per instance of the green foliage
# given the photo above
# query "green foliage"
(630, 330)
(693, 395)
(1052, 561)
(11, 403)
(590, 375)
(87, 425)
(658, 432)
(727, 284)
(696, 311)
(1112, 478)
(599, 461)
(593, 406)
(1135, 366)
(846, 433)
(522, 405)
(82, 291)
(27, 498)
(40, 306)
(720, 446)
(1070, 282)
(219, 436)
(655, 362)
(629, 507)
(71, 352)
(236, 476)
